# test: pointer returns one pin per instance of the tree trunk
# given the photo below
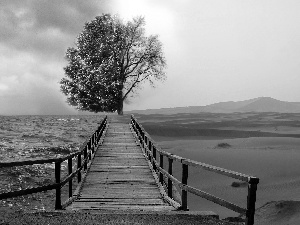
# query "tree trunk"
(120, 108)
(121, 100)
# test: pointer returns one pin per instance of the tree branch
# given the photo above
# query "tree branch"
(130, 89)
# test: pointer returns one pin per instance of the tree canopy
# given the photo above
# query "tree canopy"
(111, 60)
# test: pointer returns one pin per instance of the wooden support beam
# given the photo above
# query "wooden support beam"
(58, 188)
(251, 199)
(170, 171)
(185, 173)
(78, 166)
(70, 182)
(161, 165)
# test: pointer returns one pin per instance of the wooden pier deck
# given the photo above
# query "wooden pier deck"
(119, 177)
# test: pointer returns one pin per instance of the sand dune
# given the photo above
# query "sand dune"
(279, 213)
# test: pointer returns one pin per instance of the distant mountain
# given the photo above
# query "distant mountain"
(271, 105)
(262, 104)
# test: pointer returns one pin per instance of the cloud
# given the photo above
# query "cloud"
(39, 25)
(215, 50)
(33, 39)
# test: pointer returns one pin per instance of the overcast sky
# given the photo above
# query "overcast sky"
(216, 50)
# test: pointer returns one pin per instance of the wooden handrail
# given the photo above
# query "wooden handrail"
(29, 162)
(216, 169)
(151, 149)
(88, 148)
(43, 161)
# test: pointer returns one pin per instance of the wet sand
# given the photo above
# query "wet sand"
(266, 145)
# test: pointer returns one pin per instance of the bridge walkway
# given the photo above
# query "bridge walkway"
(119, 177)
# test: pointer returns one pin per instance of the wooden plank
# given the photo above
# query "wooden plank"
(124, 207)
(121, 196)
(132, 203)
(122, 166)
(136, 201)
(114, 177)
(120, 157)
(89, 189)
(120, 187)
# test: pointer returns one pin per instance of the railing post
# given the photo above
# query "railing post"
(99, 134)
(92, 145)
(78, 166)
(70, 171)
(147, 148)
(185, 173)
(170, 171)
(150, 149)
(90, 149)
(140, 134)
(58, 190)
(154, 156)
(145, 141)
(161, 165)
(143, 138)
(251, 199)
(85, 157)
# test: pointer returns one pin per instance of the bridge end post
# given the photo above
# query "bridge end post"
(70, 172)
(153, 148)
(185, 173)
(170, 171)
(85, 157)
(161, 165)
(78, 166)
(251, 199)
(58, 188)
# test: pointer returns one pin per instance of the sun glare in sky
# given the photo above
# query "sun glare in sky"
(159, 18)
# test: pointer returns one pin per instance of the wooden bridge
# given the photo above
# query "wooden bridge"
(121, 168)
(119, 176)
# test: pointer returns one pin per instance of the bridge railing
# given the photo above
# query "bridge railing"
(152, 151)
(86, 150)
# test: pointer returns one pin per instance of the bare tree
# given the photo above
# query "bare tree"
(112, 59)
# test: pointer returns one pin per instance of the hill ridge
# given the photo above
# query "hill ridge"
(260, 104)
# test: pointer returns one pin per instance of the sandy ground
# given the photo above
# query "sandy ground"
(265, 145)
(274, 161)
(56, 217)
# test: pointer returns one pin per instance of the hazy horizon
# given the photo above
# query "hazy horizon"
(216, 51)
(156, 110)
